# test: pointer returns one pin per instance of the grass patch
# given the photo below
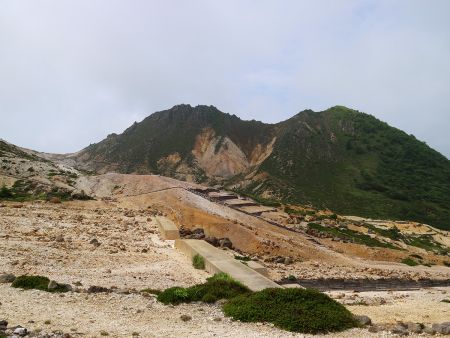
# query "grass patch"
(198, 262)
(298, 310)
(38, 283)
(410, 261)
(352, 236)
(219, 286)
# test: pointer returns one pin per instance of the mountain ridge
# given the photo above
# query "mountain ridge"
(339, 158)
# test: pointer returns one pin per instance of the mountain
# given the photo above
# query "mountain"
(341, 159)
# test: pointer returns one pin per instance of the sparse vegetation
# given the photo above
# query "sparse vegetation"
(410, 261)
(298, 310)
(198, 262)
(352, 236)
(242, 258)
(219, 286)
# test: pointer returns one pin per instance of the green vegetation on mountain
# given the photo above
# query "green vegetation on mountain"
(353, 163)
(341, 159)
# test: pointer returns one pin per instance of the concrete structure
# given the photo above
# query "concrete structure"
(218, 261)
(239, 203)
(167, 228)
(221, 196)
(256, 210)
(258, 268)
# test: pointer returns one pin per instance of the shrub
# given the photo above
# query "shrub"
(298, 310)
(292, 278)
(38, 283)
(5, 192)
(198, 262)
(220, 286)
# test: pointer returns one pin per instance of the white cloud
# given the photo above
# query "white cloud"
(72, 72)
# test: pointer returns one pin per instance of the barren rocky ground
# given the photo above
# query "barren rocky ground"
(105, 244)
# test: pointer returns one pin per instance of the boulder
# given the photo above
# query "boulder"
(212, 240)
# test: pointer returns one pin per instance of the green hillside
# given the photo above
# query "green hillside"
(353, 163)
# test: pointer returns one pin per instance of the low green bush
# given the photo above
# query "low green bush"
(298, 310)
(220, 286)
(198, 262)
(38, 283)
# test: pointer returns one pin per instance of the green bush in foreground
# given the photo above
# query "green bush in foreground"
(220, 286)
(198, 262)
(38, 283)
(298, 310)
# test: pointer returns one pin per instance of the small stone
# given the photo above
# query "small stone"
(185, 318)
(95, 242)
(363, 320)
(288, 260)
(7, 278)
(414, 327)
(52, 285)
(443, 328)
(21, 331)
(429, 330)
(97, 289)
(375, 328)
(225, 243)
(400, 329)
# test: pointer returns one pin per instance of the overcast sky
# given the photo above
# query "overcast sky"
(73, 71)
